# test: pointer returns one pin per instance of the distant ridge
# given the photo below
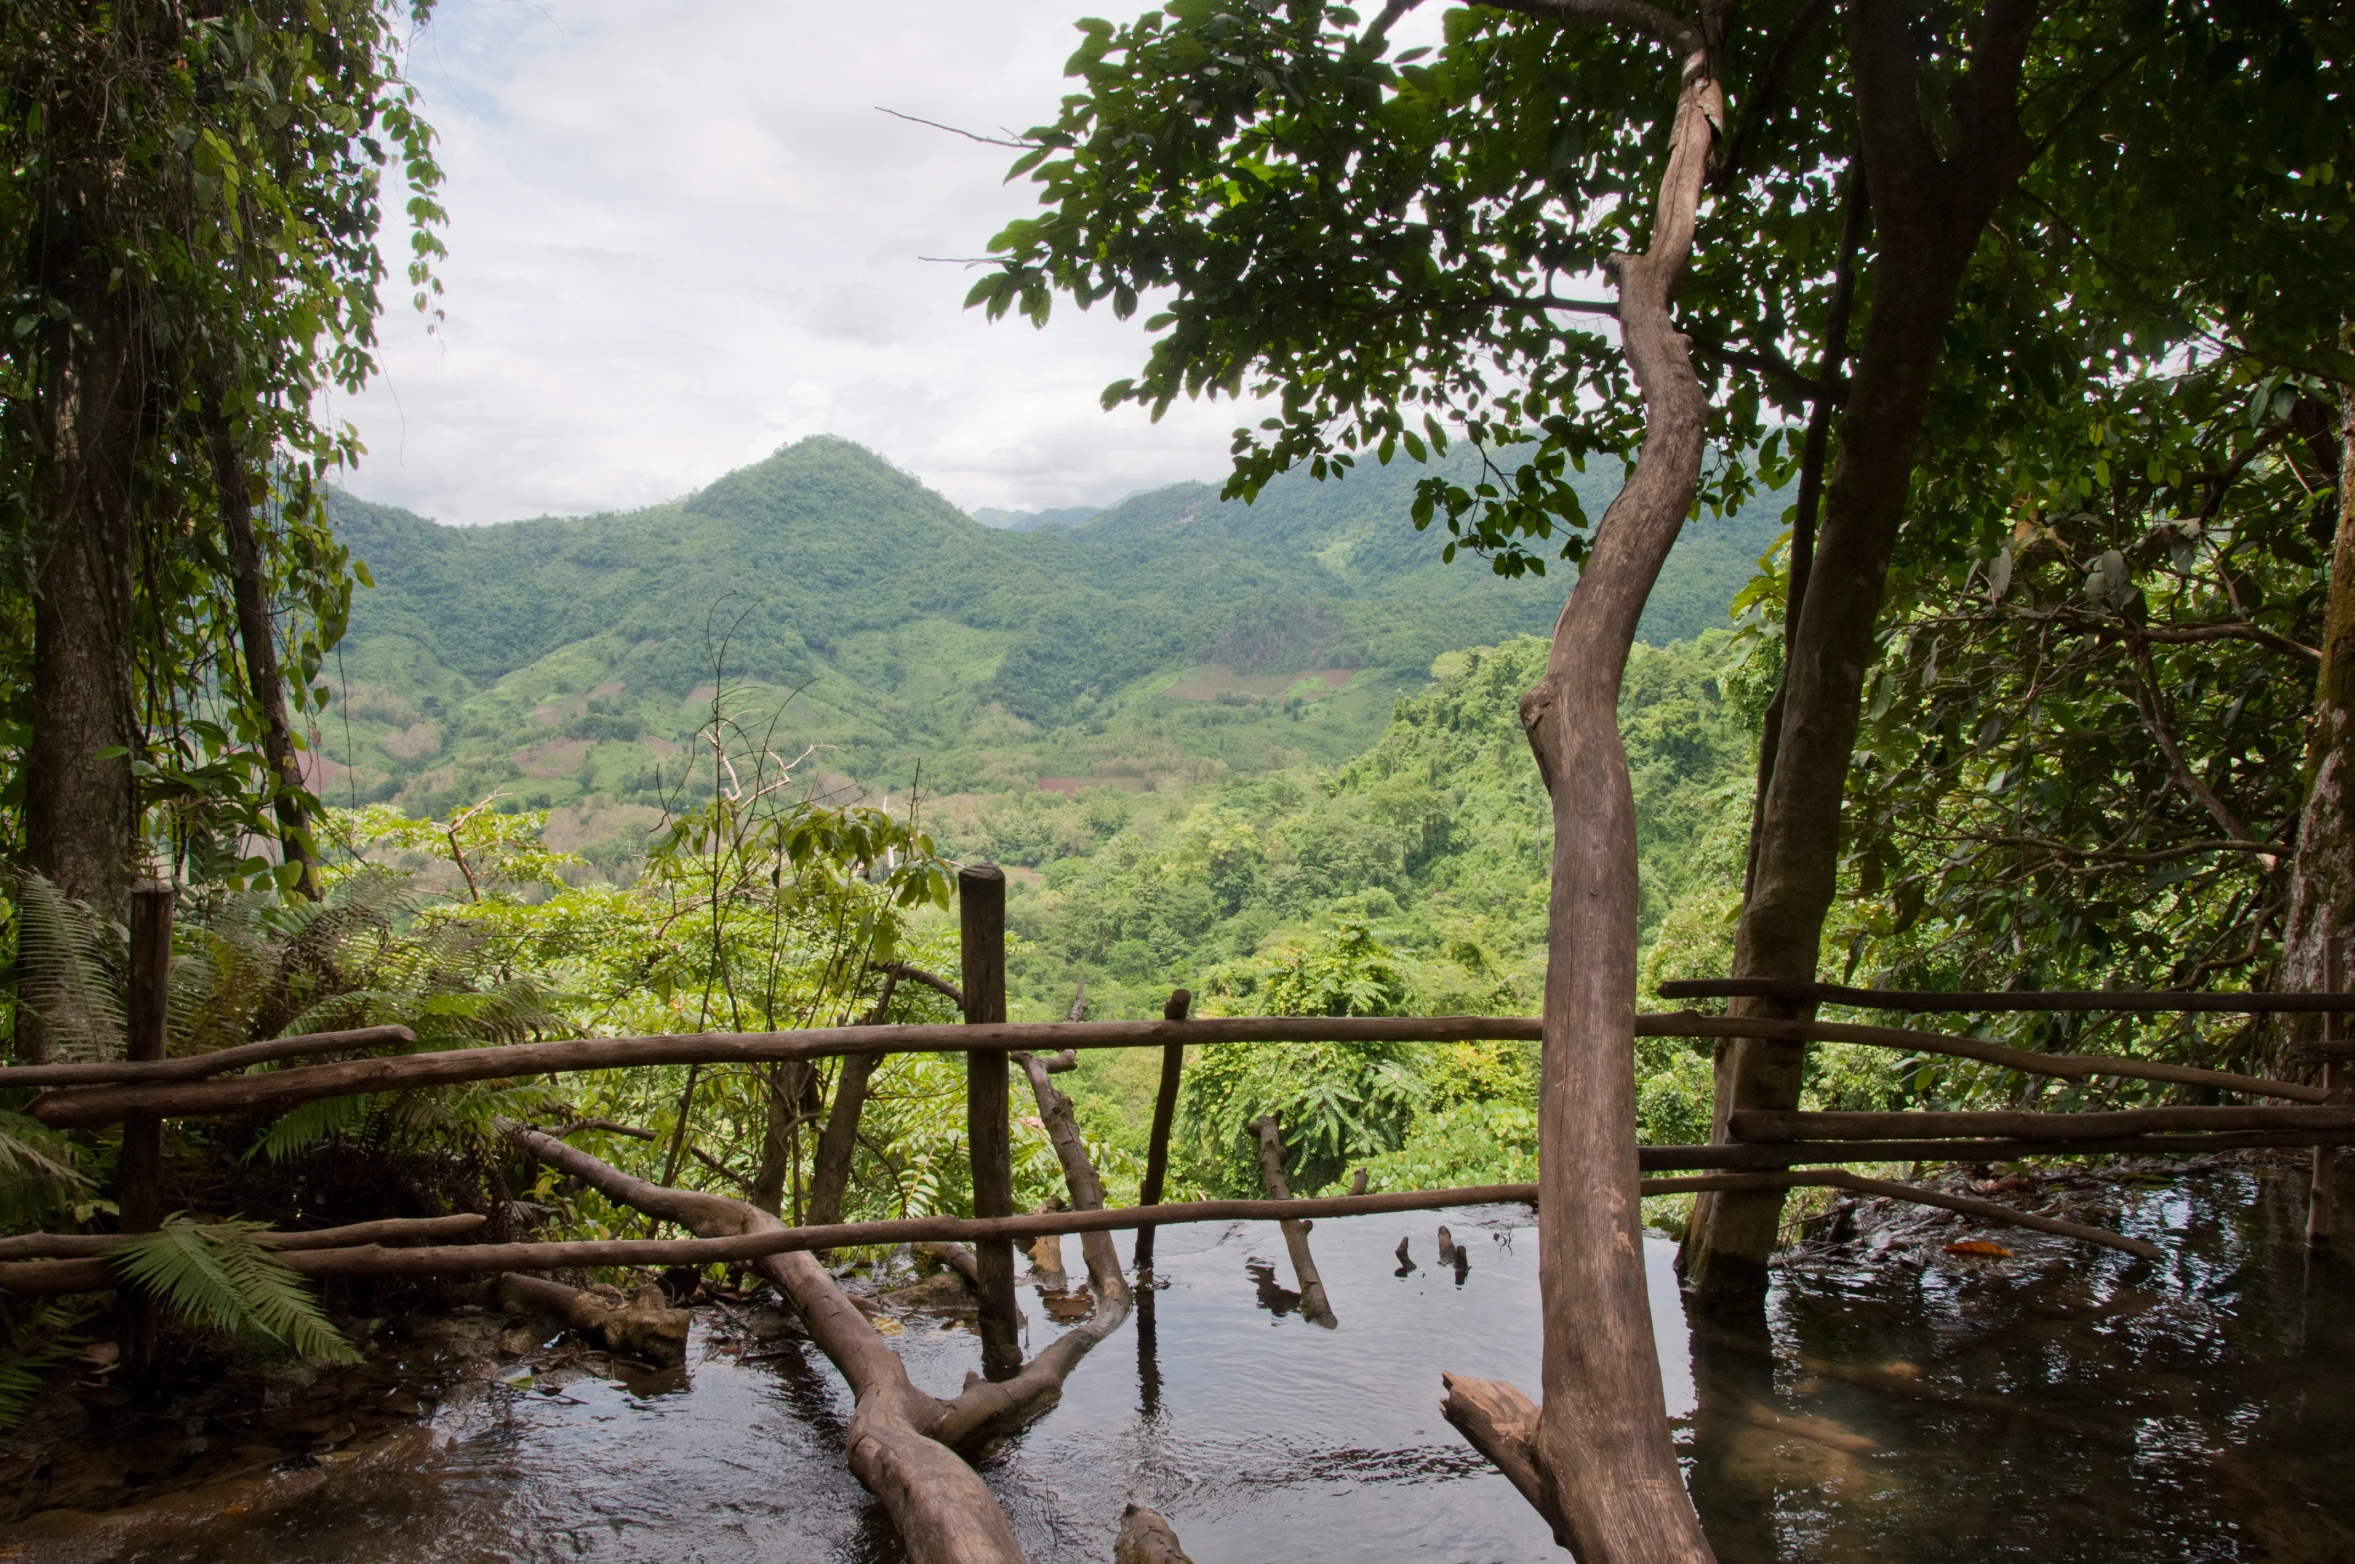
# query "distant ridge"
(1034, 520)
(559, 658)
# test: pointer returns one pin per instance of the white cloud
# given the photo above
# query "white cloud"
(681, 235)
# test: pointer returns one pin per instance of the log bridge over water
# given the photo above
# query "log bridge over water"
(912, 1449)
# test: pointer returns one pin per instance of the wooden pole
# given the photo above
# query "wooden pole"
(1314, 1305)
(981, 914)
(1173, 1064)
(140, 1197)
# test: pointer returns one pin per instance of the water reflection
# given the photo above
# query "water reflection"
(1892, 1401)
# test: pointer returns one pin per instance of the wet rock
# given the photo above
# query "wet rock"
(942, 1293)
(459, 1328)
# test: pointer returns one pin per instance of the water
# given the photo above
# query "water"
(2063, 1404)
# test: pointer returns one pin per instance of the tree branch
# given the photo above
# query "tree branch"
(1654, 23)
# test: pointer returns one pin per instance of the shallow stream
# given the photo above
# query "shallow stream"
(1906, 1403)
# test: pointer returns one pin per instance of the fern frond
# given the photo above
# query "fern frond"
(46, 1337)
(214, 1274)
(64, 976)
(276, 1298)
(37, 1170)
(302, 1128)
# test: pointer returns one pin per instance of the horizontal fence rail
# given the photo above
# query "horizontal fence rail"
(1926, 1001)
(309, 1253)
(190, 1087)
(1772, 1125)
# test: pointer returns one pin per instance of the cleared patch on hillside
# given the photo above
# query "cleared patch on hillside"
(1071, 785)
(556, 758)
(571, 827)
(1209, 681)
(418, 741)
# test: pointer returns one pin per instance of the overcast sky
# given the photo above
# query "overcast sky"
(681, 236)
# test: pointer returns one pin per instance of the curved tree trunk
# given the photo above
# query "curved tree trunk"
(1601, 1454)
(1928, 213)
(258, 638)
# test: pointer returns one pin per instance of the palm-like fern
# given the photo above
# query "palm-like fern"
(68, 972)
(37, 1172)
(215, 1274)
(37, 1340)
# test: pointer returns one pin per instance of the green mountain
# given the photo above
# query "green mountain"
(832, 600)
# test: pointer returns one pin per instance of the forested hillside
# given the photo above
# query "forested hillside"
(567, 661)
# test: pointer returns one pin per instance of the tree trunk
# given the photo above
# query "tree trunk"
(787, 1087)
(81, 804)
(258, 636)
(838, 1142)
(1928, 213)
(2322, 875)
(1602, 1451)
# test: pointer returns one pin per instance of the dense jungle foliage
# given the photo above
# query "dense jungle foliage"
(709, 764)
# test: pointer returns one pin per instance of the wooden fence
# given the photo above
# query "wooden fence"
(144, 1089)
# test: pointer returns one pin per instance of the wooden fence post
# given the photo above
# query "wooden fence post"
(981, 916)
(1173, 1063)
(140, 1196)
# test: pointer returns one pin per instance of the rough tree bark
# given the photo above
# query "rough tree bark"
(2322, 875)
(1928, 212)
(1605, 1469)
(258, 637)
(838, 1142)
(791, 1090)
(81, 804)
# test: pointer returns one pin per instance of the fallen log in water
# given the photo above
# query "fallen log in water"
(988, 1408)
(1497, 1419)
(902, 1442)
(1758, 1126)
(938, 1503)
(1146, 1538)
(644, 1327)
(1315, 1307)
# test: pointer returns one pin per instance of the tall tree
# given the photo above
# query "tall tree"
(1392, 251)
(188, 229)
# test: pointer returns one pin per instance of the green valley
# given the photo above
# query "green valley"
(828, 599)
